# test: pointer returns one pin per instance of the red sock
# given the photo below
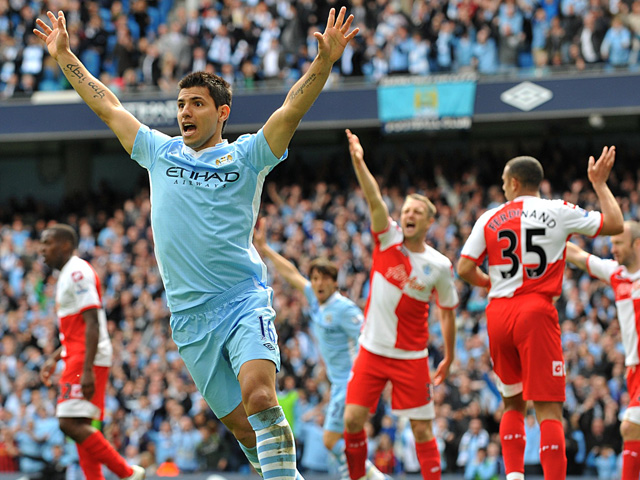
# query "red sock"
(631, 460)
(552, 450)
(98, 448)
(91, 468)
(429, 458)
(513, 441)
(355, 449)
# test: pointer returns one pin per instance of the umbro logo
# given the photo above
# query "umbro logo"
(526, 96)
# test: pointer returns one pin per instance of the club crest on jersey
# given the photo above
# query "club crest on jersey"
(76, 276)
(426, 269)
(224, 160)
(328, 318)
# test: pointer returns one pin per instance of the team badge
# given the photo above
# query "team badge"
(224, 160)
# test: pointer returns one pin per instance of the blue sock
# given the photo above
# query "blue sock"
(252, 456)
(274, 434)
(338, 454)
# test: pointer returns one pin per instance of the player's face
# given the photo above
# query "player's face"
(507, 185)
(51, 250)
(199, 118)
(414, 219)
(622, 248)
(323, 285)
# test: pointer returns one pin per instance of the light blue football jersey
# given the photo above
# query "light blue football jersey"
(336, 325)
(204, 206)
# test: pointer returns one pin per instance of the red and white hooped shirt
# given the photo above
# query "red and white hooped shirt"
(626, 287)
(525, 242)
(401, 287)
(78, 290)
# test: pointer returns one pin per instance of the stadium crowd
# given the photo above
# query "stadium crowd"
(156, 417)
(137, 45)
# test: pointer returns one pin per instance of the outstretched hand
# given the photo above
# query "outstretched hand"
(355, 147)
(598, 172)
(55, 37)
(336, 35)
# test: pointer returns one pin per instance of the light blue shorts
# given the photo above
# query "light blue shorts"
(334, 419)
(217, 338)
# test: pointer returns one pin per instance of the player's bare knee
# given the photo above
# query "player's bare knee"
(329, 439)
(422, 430)
(259, 399)
(353, 421)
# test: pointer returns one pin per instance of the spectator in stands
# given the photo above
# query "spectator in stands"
(616, 44)
(474, 438)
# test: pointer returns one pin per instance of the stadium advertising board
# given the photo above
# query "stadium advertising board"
(572, 96)
(442, 102)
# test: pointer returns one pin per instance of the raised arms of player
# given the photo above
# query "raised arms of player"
(598, 173)
(577, 256)
(283, 266)
(95, 94)
(377, 208)
(283, 122)
(448, 326)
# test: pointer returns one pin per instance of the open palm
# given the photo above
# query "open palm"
(598, 171)
(335, 38)
(55, 37)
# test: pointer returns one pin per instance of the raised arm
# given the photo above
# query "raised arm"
(282, 124)
(598, 173)
(577, 256)
(377, 208)
(95, 94)
(283, 266)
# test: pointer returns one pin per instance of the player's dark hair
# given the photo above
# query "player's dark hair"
(325, 267)
(431, 208)
(64, 233)
(527, 170)
(218, 87)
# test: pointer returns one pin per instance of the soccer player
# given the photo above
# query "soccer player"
(623, 274)
(524, 241)
(86, 351)
(406, 273)
(205, 194)
(336, 322)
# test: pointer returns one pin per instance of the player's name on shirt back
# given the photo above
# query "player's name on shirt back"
(542, 216)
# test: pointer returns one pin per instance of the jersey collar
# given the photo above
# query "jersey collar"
(190, 151)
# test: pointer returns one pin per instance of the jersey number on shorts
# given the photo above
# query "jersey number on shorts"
(508, 253)
(71, 390)
(267, 330)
